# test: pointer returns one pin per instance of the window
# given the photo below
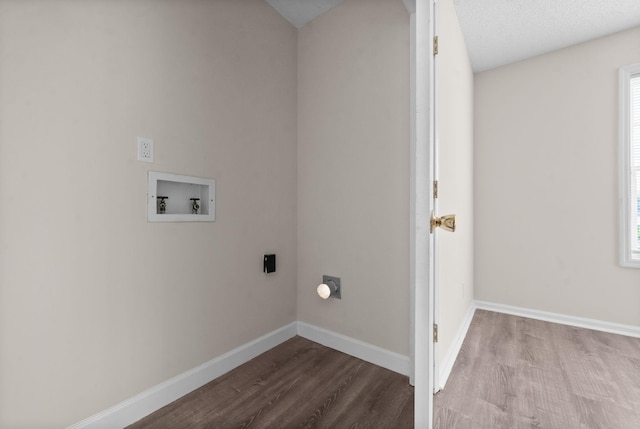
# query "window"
(630, 166)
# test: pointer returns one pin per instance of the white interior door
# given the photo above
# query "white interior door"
(441, 262)
(453, 172)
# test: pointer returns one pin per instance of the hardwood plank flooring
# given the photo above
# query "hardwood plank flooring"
(298, 384)
(513, 372)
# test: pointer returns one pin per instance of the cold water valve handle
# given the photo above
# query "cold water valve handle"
(195, 206)
(162, 204)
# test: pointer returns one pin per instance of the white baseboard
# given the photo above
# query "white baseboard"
(447, 364)
(365, 351)
(580, 322)
(145, 403)
(150, 400)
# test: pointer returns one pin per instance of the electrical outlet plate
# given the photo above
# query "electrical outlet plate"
(145, 149)
(336, 281)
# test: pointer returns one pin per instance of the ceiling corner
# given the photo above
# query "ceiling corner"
(300, 12)
(410, 5)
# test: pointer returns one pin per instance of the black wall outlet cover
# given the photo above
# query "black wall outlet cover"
(269, 265)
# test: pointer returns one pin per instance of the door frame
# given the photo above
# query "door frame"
(421, 204)
(434, 176)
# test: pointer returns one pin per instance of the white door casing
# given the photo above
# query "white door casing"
(421, 189)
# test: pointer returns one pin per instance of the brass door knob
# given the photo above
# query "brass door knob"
(446, 222)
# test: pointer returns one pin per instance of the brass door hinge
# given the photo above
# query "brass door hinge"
(435, 45)
(435, 189)
(435, 333)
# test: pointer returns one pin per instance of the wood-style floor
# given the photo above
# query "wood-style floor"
(298, 384)
(512, 373)
(517, 373)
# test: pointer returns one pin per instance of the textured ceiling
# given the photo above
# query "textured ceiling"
(499, 32)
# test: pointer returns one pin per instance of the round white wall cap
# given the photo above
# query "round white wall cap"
(324, 291)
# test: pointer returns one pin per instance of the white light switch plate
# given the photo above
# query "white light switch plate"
(145, 149)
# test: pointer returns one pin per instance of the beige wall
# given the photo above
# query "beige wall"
(455, 178)
(96, 304)
(546, 183)
(353, 170)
